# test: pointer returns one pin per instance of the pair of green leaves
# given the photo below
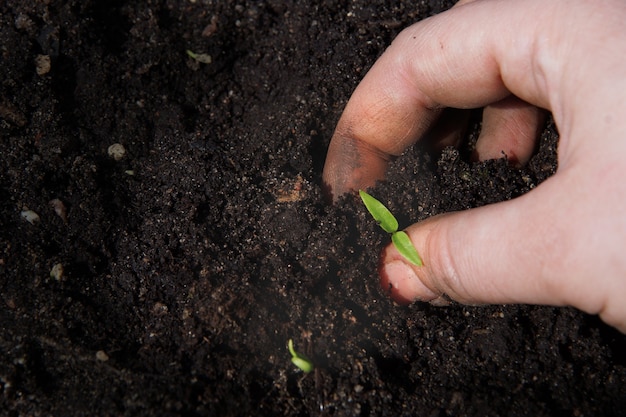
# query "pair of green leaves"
(389, 224)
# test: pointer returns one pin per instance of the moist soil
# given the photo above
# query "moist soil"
(188, 263)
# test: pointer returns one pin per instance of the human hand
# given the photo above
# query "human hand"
(562, 243)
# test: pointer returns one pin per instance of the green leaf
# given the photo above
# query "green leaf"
(403, 243)
(299, 360)
(305, 365)
(379, 212)
(204, 58)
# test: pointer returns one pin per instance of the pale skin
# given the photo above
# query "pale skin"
(564, 242)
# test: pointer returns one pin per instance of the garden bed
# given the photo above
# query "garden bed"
(190, 261)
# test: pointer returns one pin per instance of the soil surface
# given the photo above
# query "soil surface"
(169, 280)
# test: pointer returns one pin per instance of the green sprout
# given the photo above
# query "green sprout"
(299, 360)
(203, 58)
(389, 224)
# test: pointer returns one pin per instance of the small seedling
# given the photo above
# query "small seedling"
(203, 58)
(299, 360)
(389, 224)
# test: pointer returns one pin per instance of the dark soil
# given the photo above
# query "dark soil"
(190, 262)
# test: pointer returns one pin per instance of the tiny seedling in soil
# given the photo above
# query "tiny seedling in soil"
(203, 58)
(299, 359)
(389, 224)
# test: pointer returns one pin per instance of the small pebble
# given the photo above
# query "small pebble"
(57, 272)
(22, 21)
(59, 208)
(117, 151)
(42, 64)
(102, 356)
(30, 216)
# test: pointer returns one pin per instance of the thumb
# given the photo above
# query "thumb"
(501, 253)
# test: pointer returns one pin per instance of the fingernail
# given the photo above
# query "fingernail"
(403, 285)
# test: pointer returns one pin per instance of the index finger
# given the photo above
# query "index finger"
(466, 57)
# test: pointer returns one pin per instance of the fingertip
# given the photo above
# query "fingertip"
(327, 192)
(510, 128)
(400, 281)
(351, 164)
